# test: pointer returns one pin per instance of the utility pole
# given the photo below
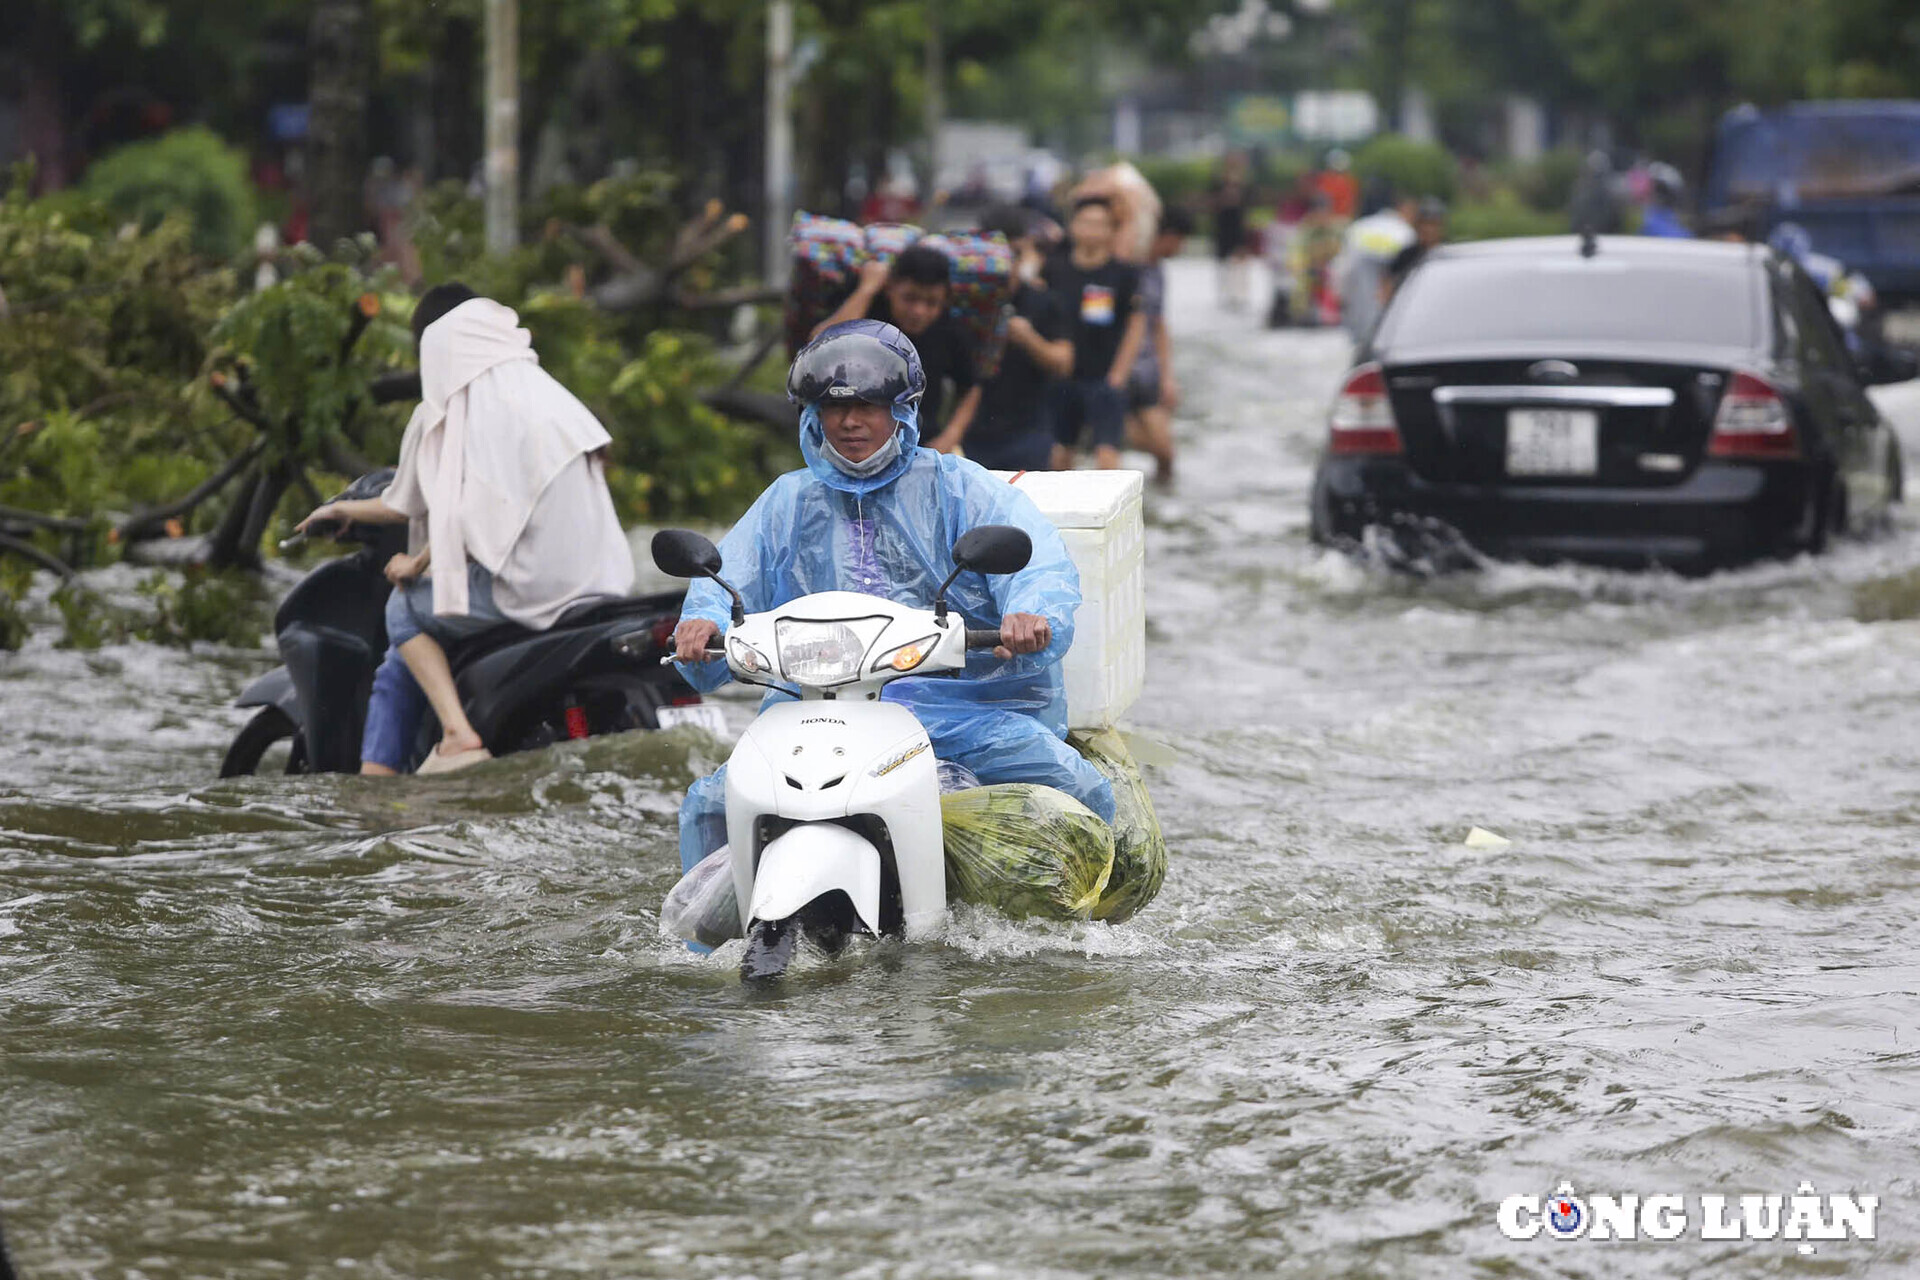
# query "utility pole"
(503, 125)
(936, 102)
(779, 171)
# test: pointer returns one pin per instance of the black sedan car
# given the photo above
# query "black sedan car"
(1619, 400)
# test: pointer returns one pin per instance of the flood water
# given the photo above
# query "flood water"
(429, 1028)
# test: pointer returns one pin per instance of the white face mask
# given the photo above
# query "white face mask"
(868, 467)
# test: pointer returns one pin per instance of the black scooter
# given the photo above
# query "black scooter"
(597, 671)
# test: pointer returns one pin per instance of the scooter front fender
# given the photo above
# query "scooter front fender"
(274, 689)
(812, 859)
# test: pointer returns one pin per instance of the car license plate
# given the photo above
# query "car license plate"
(705, 716)
(1553, 442)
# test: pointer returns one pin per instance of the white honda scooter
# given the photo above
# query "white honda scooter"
(833, 801)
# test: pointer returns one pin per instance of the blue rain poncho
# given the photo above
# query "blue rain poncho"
(892, 535)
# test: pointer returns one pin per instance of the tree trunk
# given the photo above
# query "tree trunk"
(456, 101)
(340, 43)
(226, 548)
(43, 126)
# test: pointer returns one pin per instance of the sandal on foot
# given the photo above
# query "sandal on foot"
(438, 761)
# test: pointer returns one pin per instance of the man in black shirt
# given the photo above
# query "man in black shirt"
(1013, 431)
(1429, 229)
(912, 295)
(1100, 295)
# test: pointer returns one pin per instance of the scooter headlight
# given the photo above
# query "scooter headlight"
(746, 657)
(907, 656)
(821, 653)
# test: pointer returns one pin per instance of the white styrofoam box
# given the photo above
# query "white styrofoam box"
(1099, 517)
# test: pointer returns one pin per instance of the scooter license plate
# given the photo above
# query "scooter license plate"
(704, 716)
(1553, 442)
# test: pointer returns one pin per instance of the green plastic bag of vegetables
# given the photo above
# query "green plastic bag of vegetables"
(1139, 848)
(1025, 850)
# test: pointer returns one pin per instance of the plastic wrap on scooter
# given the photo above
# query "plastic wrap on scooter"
(1139, 848)
(703, 906)
(1026, 851)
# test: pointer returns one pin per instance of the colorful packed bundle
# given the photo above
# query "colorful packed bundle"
(982, 292)
(828, 253)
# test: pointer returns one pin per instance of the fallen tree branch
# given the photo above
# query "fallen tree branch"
(28, 551)
(761, 350)
(746, 294)
(243, 409)
(344, 459)
(152, 523)
(760, 408)
(59, 524)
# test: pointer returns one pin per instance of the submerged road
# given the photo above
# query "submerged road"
(317, 1027)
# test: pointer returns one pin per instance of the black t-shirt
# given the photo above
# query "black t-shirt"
(945, 355)
(1097, 305)
(1010, 405)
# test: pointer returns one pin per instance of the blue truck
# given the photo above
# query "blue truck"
(1849, 172)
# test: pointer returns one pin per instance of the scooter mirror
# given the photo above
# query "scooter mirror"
(993, 549)
(685, 554)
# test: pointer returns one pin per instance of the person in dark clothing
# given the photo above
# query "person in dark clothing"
(1429, 229)
(1013, 430)
(1229, 196)
(1101, 296)
(1153, 392)
(912, 295)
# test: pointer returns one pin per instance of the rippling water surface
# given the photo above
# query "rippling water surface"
(321, 1026)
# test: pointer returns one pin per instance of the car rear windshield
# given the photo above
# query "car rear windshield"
(1595, 299)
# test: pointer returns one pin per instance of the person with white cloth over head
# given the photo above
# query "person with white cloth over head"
(502, 482)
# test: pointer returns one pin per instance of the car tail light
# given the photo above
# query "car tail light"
(1362, 418)
(1753, 422)
(663, 633)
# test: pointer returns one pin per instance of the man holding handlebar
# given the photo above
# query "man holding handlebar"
(874, 512)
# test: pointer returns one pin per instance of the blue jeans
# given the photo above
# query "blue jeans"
(396, 705)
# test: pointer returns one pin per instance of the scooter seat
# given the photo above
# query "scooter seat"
(502, 672)
(587, 613)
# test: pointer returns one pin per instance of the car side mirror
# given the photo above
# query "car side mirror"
(993, 549)
(1881, 365)
(682, 553)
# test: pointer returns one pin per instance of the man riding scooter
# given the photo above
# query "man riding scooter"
(874, 512)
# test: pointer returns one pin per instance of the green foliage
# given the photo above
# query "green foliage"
(224, 608)
(676, 456)
(101, 331)
(190, 172)
(1504, 214)
(1547, 183)
(286, 341)
(195, 604)
(90, 621)
(1410, 167)
(16, 578)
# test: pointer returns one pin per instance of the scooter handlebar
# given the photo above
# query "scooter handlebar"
(713, 651)
(983, 637)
